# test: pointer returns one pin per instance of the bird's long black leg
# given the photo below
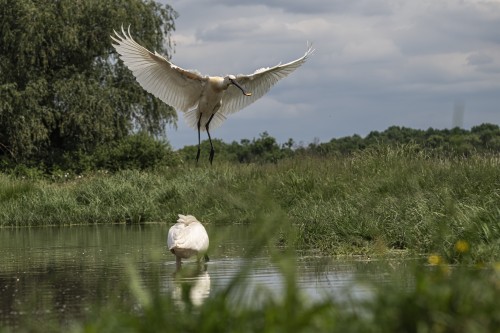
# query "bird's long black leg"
(212, 151)
(198, 153)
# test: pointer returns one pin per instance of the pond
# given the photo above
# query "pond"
(59, 272)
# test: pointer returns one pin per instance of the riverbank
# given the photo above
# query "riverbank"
(370, 203)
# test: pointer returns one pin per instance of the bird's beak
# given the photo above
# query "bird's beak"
(241, 88)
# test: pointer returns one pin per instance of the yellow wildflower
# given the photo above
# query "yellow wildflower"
(434, 259)
(461, 246)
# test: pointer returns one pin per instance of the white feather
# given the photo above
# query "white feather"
(259, 83)
(175, 86)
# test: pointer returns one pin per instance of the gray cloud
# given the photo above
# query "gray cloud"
(440, 29)
(478, 59)
(362, 7)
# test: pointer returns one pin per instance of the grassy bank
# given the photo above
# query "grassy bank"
(374, 201)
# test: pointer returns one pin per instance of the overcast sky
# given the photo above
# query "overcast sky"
(377, 63)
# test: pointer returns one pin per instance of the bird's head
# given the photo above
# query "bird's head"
(232, 80)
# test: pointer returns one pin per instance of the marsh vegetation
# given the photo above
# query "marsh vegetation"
(376, 200)
(383, 202)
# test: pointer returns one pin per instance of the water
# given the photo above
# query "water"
(59, 272)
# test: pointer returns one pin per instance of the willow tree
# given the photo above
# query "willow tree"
(62, 88)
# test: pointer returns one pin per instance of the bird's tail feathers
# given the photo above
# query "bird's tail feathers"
(192, 117)
(186, 219)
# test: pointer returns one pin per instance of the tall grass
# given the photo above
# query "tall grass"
(377, 200)
(371, 203)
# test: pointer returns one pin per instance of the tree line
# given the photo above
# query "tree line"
(143, 151)
(456, 141)
(483, 138)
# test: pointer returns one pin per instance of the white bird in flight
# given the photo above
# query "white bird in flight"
(205, 100)
(187, 238)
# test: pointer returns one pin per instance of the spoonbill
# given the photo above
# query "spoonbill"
(187, 238)
(205, 100)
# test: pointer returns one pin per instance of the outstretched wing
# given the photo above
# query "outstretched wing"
(258, 84)
(175, 86)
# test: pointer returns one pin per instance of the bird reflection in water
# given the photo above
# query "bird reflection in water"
(191, 284)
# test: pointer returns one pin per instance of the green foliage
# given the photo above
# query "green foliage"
(139, 151)
(62, 89)
(263, 149)
(484, 138)
(442, 299)
(454, 142)
(378, 200)
(372, 202)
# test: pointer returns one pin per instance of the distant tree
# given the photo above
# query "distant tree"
(434, 141)
(288, 148)
(290, 144)
(489, 134)
(445, 142)
(263, 149)
(62, 89)
(373, 137)
(456, 141)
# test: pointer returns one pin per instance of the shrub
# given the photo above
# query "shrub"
(139, 151)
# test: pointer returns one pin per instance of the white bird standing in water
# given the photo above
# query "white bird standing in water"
(205, 100)
(187, 238)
